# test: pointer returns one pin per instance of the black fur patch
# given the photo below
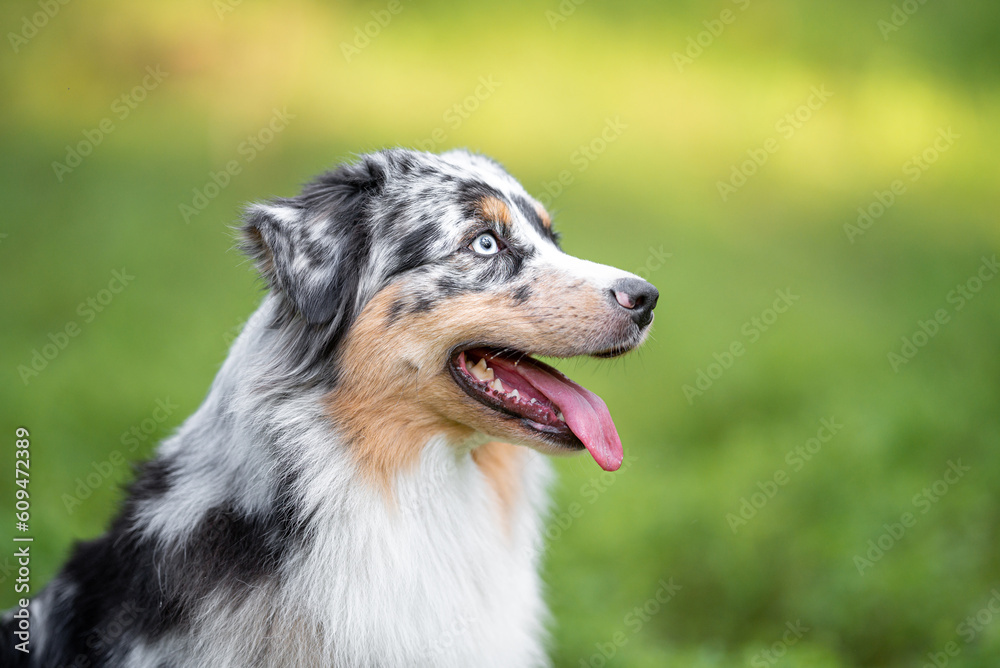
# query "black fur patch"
(528, 211)
(423, 305)
(124, 587)
(153, 480)
(499, 268)
(415, 247)
(449, 286)
(395, 310)
(115, 590)
(239, 550)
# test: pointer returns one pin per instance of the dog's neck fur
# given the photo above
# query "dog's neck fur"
(433, 573)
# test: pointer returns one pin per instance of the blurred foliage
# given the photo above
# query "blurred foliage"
(648, 200)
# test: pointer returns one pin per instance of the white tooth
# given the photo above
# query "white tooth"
(533, 401)
(515, 395)
(479, 371)
(497, 385)
(560, 415)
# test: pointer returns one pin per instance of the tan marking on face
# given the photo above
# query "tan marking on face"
(544, 215)
(379, 403)
(491, 208)
(396, 393)
(501, 464)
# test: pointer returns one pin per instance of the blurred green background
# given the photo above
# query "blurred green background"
(744, 530)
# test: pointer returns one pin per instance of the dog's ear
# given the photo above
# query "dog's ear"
(314, 248)
(273, 237)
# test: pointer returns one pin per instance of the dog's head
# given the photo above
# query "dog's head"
(417, 287)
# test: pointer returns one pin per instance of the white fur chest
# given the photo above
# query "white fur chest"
(446, 577)
(443, 579)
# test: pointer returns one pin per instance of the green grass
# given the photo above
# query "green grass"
(690, 463)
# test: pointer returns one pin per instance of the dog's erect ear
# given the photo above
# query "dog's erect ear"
(313, 248)
(273, 236)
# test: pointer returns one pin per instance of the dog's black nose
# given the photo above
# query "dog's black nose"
(637, 296)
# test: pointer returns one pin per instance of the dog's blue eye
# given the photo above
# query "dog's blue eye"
(486, 244)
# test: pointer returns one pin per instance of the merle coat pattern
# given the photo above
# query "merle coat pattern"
(337, 499)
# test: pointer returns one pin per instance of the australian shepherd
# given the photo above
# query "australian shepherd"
(365, 483)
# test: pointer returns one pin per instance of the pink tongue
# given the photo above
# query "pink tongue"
(586, 413)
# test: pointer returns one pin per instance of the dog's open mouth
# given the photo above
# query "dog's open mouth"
(544, 400)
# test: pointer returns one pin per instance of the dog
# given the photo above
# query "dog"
(365, 483)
